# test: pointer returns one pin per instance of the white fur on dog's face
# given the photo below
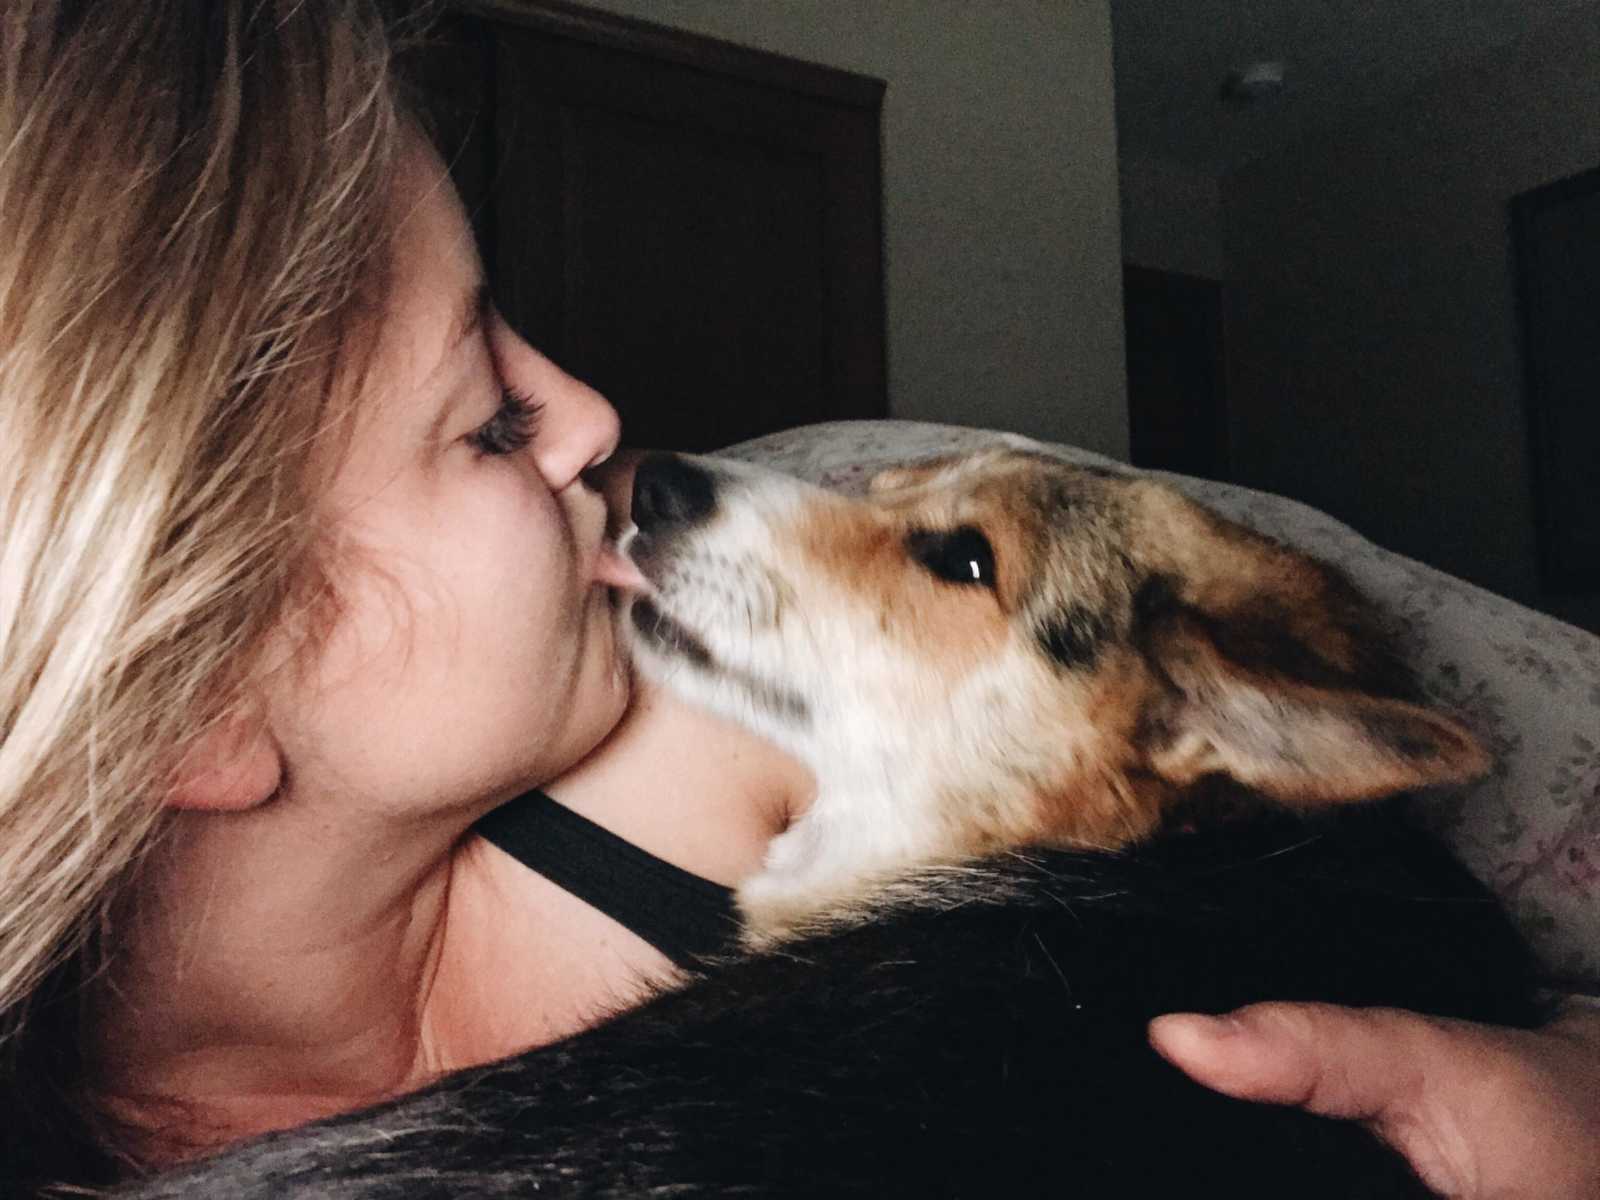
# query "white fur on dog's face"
(934, 724)
(1117, 646)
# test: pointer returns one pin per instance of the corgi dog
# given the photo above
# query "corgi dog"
(1085, 754)
(1002, 651)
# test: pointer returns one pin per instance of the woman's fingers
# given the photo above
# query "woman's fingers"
(1336, 1062)
(1376, 1066)
(1479, 1112)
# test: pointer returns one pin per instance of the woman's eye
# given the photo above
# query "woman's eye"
(512, 428)
(956, 555)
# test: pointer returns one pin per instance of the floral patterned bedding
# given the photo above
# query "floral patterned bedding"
(1527, 683)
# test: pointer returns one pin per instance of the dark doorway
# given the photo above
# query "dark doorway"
(1177, 414)
(1557, 229)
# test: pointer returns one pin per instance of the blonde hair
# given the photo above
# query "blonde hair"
(194, 195)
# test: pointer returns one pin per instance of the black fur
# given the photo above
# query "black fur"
(1073, 637)
(987, 1041)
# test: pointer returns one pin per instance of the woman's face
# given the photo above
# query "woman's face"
(473, 656)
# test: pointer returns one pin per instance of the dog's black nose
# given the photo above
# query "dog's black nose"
(669, 491)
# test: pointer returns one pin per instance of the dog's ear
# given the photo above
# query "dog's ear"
(892, 479)
(1259, 710)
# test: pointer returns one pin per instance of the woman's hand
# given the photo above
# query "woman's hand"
(1481, 1113)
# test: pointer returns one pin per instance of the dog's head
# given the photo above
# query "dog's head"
(1064, 655)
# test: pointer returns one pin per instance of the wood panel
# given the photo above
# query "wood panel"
(695, 228)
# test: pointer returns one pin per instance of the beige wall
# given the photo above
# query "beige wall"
(1000, 177)
(1373, 335)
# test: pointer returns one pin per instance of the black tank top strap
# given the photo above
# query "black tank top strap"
(686, 917)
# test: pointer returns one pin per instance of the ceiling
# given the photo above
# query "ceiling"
(1341, 56)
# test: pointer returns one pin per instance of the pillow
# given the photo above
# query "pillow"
(1528, 684)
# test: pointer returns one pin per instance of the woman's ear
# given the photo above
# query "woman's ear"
(234, 766)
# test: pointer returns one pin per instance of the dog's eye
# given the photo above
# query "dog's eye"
(954, 555)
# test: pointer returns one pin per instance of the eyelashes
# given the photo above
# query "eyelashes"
(512, 428)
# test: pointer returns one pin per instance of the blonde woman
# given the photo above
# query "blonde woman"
(301, 574)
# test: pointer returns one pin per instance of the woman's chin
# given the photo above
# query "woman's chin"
(604, 696)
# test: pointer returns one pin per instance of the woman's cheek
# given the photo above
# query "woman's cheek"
(521, 560)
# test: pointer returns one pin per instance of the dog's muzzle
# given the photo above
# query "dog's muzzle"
(670, 496)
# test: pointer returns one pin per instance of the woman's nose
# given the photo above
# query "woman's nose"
(578, 429)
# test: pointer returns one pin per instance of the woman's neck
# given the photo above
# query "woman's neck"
(698, 792)
(275, 975)
(264, 978)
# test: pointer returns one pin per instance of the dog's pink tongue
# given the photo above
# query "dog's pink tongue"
(617, 570)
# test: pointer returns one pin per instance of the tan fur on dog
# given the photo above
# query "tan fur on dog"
(1134, 659)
